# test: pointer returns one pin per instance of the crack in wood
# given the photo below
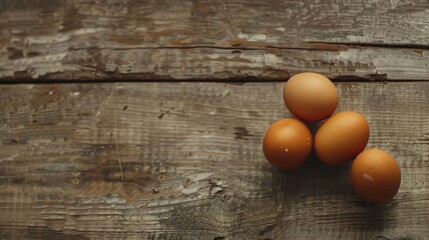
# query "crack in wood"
(311, 45)
(376, 45)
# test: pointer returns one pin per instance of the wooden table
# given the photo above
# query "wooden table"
(128, 119)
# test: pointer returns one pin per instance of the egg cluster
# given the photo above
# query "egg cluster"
(341, 138)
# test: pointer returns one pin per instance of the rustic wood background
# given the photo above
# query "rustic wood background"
(213, 39)
(85, 153)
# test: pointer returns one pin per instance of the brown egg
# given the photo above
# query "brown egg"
(287, 143)
(341, 138)
(310, 96)
(376, 176)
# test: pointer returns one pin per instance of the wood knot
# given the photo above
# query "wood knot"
(75, 181)
(161, 177)
(187, 182)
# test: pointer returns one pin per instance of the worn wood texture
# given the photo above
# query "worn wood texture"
(184, 161)
(192, 39)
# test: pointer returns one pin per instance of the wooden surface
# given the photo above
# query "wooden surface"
(184, 161)
(87, 154)
(47, 40)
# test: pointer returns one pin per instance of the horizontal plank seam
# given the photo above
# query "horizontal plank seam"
(353, 45)
(196, 47)
(375, 45)
(340, 79)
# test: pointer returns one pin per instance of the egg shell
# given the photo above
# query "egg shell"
(376, 176)
(310, 96)
(341, 138)
(287, 143)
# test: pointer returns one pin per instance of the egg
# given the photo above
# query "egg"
(310, 96)
(341, 138)
(376, 176)
(287, 143)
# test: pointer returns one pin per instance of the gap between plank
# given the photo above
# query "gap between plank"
(339, 79)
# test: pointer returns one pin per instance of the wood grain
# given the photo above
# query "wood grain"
(93, 40)
(184, 161)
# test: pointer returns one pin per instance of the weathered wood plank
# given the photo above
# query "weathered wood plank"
(189, 39)
(184, 161)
